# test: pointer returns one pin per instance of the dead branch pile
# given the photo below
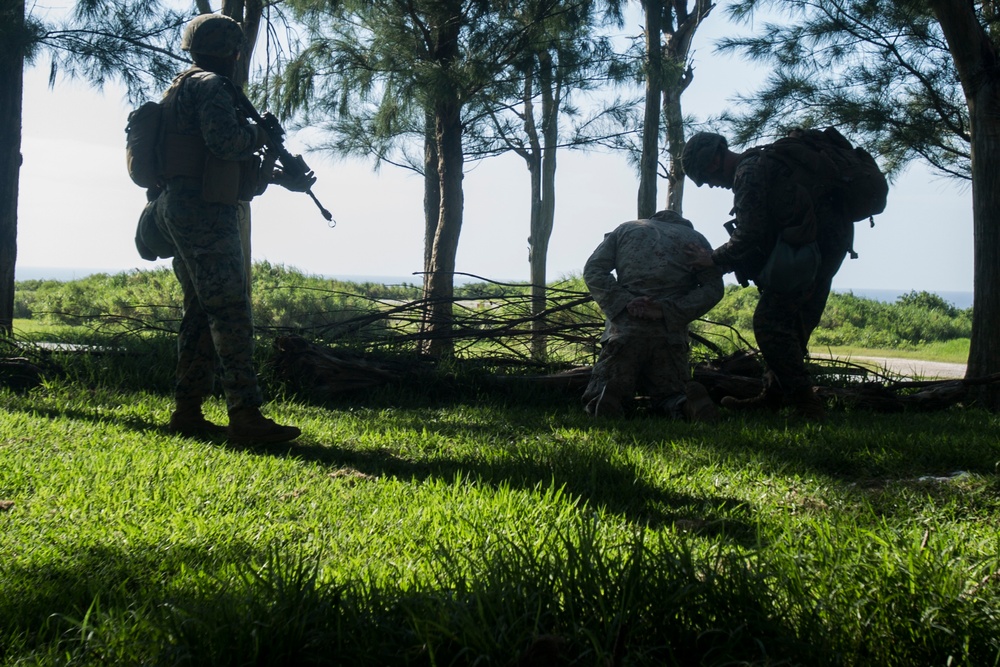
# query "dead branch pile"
(495, 330)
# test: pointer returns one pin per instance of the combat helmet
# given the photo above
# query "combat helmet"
(699, 151)
(212, 35)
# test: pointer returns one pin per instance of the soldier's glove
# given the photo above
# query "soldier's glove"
(295, 183)
(260, 137)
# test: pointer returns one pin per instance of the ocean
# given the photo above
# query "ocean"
(957, 299)
(961, 300)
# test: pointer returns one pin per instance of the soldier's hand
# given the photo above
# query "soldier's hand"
(644, 308)
(698, 256)
(295, 183)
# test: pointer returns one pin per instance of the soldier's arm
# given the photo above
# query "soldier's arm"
(603, 286)
(226, 134)
(707, 291)
(753, 230)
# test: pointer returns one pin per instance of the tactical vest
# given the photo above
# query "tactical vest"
(186, 156)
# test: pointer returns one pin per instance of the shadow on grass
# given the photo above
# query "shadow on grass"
(870, 452)
(187, 605)
(584, 475)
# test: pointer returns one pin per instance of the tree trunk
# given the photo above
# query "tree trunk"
(976, 60)
(439, 287)
(984, 353)
(673, 118)
(441, 279)
(11, 100)
(677, 76)
(650, 159)
(432, 195)
(543, 190)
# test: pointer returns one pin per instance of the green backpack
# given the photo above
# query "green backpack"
(834, 170)
(142, 144)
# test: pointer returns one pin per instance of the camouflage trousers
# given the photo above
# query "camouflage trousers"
(783, 323)
(630, 364)
(217, 325)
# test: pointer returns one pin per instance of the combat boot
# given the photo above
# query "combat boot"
(699, 406)
(187, 420)
(807, 404)
(249, 425)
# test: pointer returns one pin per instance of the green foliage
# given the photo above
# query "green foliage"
(283, 299)
(147, 295)
(495, 317)
(879, 69)
(915, 319)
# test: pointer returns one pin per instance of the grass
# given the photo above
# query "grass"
(952, 351)
(437, 527)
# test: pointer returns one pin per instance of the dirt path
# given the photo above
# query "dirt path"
(913, 368)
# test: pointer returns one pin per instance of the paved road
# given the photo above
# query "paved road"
(913, 368)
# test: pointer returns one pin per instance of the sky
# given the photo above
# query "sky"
(78, 209)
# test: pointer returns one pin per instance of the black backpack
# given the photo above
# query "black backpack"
(834, 170)
(142, 144)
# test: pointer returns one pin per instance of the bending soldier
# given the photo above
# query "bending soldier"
(768, 205)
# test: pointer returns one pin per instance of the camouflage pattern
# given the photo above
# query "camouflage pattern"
(766, 203)
(648, 257)
(203, 105)
(212, 35)
(217, 323)
(650, 366)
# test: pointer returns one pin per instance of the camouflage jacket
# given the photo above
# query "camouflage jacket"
(208, 143)
(648, 259)
(204, 106)
(767, 202)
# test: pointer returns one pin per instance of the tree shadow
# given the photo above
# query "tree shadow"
(589, 479)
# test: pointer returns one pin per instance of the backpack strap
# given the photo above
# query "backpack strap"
(183, 154)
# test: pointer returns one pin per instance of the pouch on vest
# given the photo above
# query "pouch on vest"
(220, 183)
(149, 240)
(789, 268)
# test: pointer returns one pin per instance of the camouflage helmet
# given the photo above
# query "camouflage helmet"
(699, 151)
(212, 35)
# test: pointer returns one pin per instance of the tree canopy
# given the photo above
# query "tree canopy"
(881, 69)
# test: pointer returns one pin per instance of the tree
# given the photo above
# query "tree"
(895, 74)
(669, 31)
(391, 74)
(972, 39)
(564, 55)
(14, 43)
(126, 41)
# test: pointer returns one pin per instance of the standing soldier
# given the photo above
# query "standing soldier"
(210, 162)
(648, 303)
(769, 204)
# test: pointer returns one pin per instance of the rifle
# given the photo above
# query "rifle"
(294, 165)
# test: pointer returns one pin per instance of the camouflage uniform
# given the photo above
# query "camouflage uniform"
(217, 320)
(766, 202)
(648, 258)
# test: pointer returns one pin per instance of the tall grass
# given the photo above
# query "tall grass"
(475, 528)
(454, 523)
